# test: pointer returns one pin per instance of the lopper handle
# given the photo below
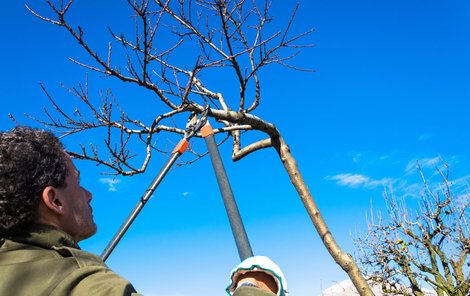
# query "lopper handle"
(236, 223)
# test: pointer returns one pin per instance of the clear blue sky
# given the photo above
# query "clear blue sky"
(391, 87)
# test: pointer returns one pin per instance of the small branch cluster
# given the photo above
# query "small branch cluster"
(429, 246)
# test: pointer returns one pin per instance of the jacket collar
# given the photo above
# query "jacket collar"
(45, 236)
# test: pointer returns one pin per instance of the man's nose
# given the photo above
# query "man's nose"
(89, 195)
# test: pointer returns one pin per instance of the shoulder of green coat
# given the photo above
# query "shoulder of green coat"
(82, 258)
(97, 280)
(92, 277)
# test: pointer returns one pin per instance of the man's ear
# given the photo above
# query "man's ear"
(51, 198)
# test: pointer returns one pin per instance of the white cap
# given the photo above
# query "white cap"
(263, 264)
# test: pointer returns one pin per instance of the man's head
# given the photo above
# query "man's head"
(40, 184)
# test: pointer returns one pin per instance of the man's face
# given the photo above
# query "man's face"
(78, 219)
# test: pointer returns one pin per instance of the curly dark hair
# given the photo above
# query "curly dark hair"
(30, 160)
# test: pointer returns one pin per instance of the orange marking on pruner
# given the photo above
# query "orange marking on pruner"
(181, 147)
(206, 130)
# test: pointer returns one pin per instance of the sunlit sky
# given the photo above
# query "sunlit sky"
(391, 87)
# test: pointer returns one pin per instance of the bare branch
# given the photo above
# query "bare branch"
(237, 155)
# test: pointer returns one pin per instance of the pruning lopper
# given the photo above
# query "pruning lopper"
(193, 126)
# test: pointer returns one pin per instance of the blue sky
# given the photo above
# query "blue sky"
(391, 87)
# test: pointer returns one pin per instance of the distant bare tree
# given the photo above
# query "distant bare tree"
(430, 245)
(175, 47)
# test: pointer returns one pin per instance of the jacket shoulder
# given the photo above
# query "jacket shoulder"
(92, 277)
(94, 280)
(82, 258)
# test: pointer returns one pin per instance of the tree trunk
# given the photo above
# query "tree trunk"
(344, 260)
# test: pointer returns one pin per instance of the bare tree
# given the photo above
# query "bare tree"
(429, 246)
(196, 40)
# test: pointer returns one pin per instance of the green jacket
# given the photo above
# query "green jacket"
(46, 261)
(250, 291)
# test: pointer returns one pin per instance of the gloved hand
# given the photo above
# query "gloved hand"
(258, 264)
